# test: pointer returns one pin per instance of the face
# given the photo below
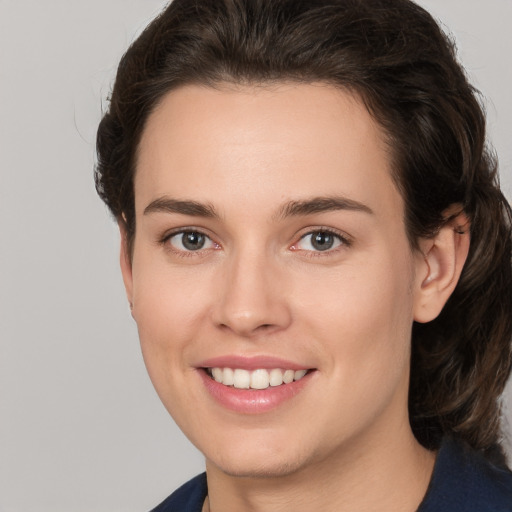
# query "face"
(272, 281)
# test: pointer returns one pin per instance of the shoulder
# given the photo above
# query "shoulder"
(188, 498)
(464, 481)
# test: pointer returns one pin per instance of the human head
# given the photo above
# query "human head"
(393, 55)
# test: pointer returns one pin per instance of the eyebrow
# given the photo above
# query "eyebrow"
(293, 208)
(184, 207)
(320, 205)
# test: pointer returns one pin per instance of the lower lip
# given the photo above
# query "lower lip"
(253, 401)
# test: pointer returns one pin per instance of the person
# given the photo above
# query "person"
(317, 254)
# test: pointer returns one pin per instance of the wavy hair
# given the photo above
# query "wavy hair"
(396, 58)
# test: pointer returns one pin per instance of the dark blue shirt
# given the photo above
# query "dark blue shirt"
(463, 481)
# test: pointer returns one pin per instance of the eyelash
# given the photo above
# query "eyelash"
(344, 242)
(164, 241)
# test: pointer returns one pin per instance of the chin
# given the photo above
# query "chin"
(267, 469)
(270, 462)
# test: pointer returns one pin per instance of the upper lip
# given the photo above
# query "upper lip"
(251, 363)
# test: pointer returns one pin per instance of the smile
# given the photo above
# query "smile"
(257, 379)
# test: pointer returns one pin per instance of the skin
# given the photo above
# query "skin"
(259, 287)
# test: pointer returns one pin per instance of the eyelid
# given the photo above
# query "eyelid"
(168, 235)
(345, 241)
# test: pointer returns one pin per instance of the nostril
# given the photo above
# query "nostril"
(265, 328)
(248, 330)
(250, 318)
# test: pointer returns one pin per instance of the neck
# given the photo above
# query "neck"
(386, 474)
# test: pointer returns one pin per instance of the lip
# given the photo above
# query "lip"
(252, 401)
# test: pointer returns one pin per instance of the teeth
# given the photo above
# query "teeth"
(241, 379)
(260, 379)
(228, 377)
(257, 379)
(288, 376)
(217, 374)
(299, 374)
(276, 377)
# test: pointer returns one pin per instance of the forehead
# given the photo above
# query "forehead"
(249, 143)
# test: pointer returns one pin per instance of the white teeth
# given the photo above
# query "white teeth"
(260, 379)
(257, 379)
(241, 379)
(228, 378)
(276, 377)
(288, 376)
(217, 374)
(299, 374)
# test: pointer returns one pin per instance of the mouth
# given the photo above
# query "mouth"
(258, 379)
(254, 385)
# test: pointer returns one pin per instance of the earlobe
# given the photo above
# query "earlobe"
(125, 262)
(440, 265)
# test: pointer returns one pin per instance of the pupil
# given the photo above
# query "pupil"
(322, 241)
(192, 241)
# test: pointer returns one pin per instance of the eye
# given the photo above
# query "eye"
(320, 241)
(189, 241)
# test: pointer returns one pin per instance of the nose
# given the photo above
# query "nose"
(252, 297)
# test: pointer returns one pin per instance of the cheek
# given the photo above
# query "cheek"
(169, 308)
(363, 314)
(167, 299)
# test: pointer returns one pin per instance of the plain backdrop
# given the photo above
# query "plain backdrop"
(81, 428)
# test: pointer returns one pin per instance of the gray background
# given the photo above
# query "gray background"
(81, 428)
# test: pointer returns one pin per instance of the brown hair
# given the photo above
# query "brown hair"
(394, 55)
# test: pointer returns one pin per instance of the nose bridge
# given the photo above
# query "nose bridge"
(251, 298)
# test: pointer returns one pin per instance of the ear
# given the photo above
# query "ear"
(439, 266)
(126, 262)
